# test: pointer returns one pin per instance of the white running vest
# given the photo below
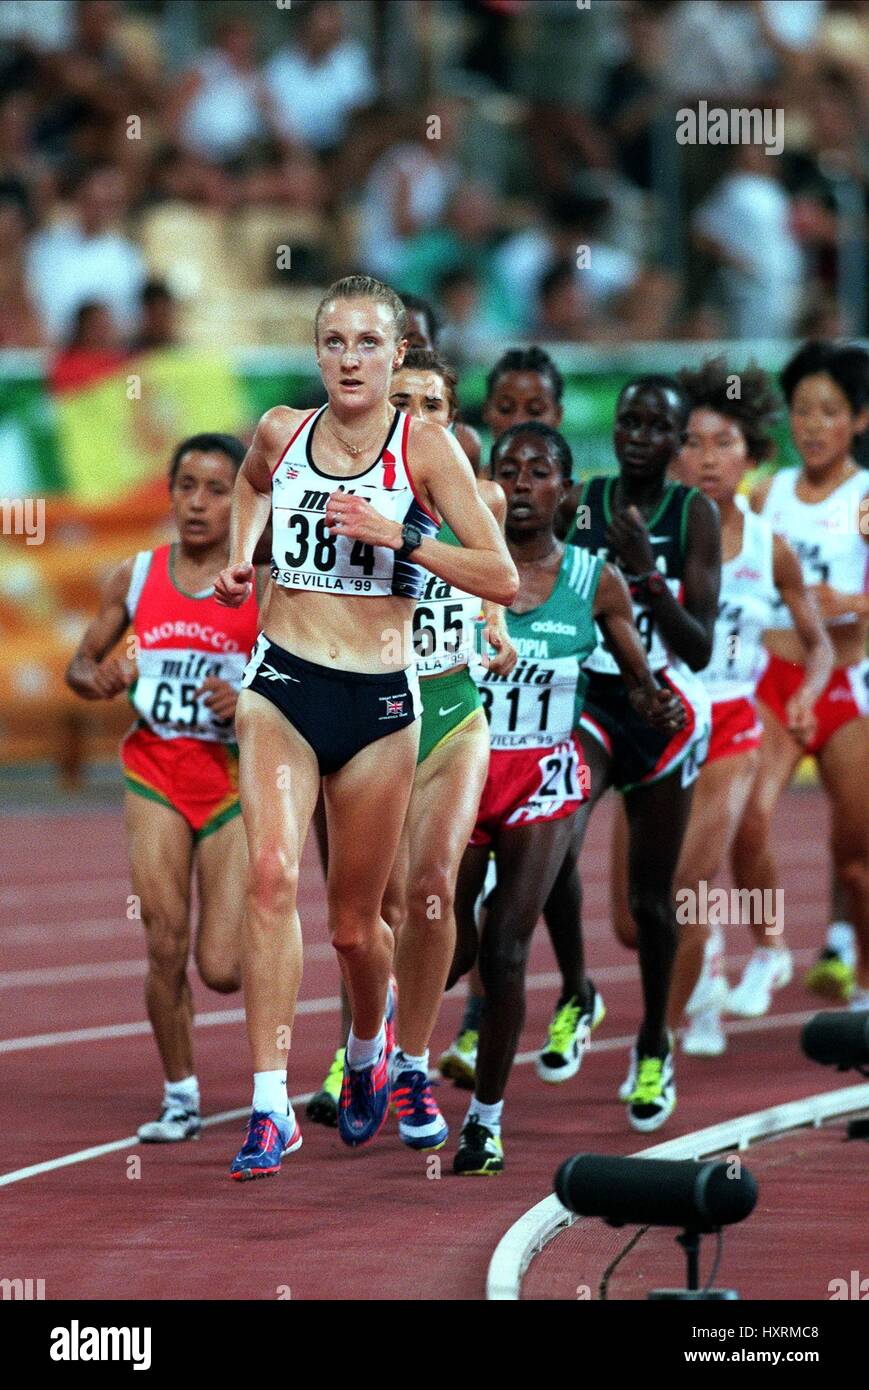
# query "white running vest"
(745, 606)
(305, 556)
(825, 535)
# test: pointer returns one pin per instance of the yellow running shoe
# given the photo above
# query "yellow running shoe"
(322, 1108)
(569, 1034)
(831, 977)
(459, 1062)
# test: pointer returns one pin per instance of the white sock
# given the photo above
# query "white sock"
(405, 1061)
(184, 1093)
(270, 1092)
(364, 1052)
(840, 938)
(488, 1115)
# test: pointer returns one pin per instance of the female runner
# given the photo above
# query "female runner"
(536, 780)
(665, 539)
(726, 435)
(180, 761)
(822, 509)
(355, 491)
(524, 385)
(451, 768)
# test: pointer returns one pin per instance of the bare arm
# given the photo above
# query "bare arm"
(788, 578)
(612, 609)
(89, 674)
(687, 627)
(251, 503)
(481, 563)
(495, 632)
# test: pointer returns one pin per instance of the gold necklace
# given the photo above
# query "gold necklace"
(353, 449)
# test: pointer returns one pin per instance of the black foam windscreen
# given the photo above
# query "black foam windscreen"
(838, 1039)
(656, 1191)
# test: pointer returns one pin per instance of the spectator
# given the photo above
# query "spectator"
(157, 328)
(730, 48)
(407, 192)
(220, 108)
(573, 230)
(467, 238)
(464, 338)
(92, 351)
(19, 322)
(316, 84)
(563, 311)
(632, 96)
(744, 228)
(87, 257)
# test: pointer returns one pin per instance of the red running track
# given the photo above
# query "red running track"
(380, 1223)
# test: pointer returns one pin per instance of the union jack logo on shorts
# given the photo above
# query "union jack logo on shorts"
(394, 706)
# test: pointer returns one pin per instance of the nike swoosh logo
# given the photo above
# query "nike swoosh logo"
(443, 712)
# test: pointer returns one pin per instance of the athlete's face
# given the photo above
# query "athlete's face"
(422, 394)
(357, 352)
(531, 476)
(416, 330)
(823, 423)
(714, 455)
(518, 397)
(202, 499)
(647, 431)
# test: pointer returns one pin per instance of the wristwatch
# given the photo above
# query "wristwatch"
(648, 585)
(411, 537)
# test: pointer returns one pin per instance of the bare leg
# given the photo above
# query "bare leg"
(161, 855)
(844, 764)
(221, 872)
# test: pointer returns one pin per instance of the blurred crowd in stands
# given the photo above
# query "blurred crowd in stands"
(181, 171)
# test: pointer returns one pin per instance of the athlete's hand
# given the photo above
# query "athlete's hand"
(495, 635)
(800, 714)
(220, 697)
(628, 536)
(832, 603)
(349, 515)
(234, 585)
(660, 707)
(107, 679)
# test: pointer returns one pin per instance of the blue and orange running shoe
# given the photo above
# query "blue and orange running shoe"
(268, 1138)
(420, 1124)
(364, 1101)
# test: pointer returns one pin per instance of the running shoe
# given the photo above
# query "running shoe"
(175, 1123)
(268, 1138)
(830, 976)
(704, 1036)
(364, 1101)
(627, 1087)
(459, 1063)
(480, 1152)
(420, 1124)
(767, 970)
(572, 1025)
(322, 1108)
(653, 1098)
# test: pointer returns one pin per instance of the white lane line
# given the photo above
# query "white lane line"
(48, 975)
(311, 1006)
(132, 1140)
(608, 974)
